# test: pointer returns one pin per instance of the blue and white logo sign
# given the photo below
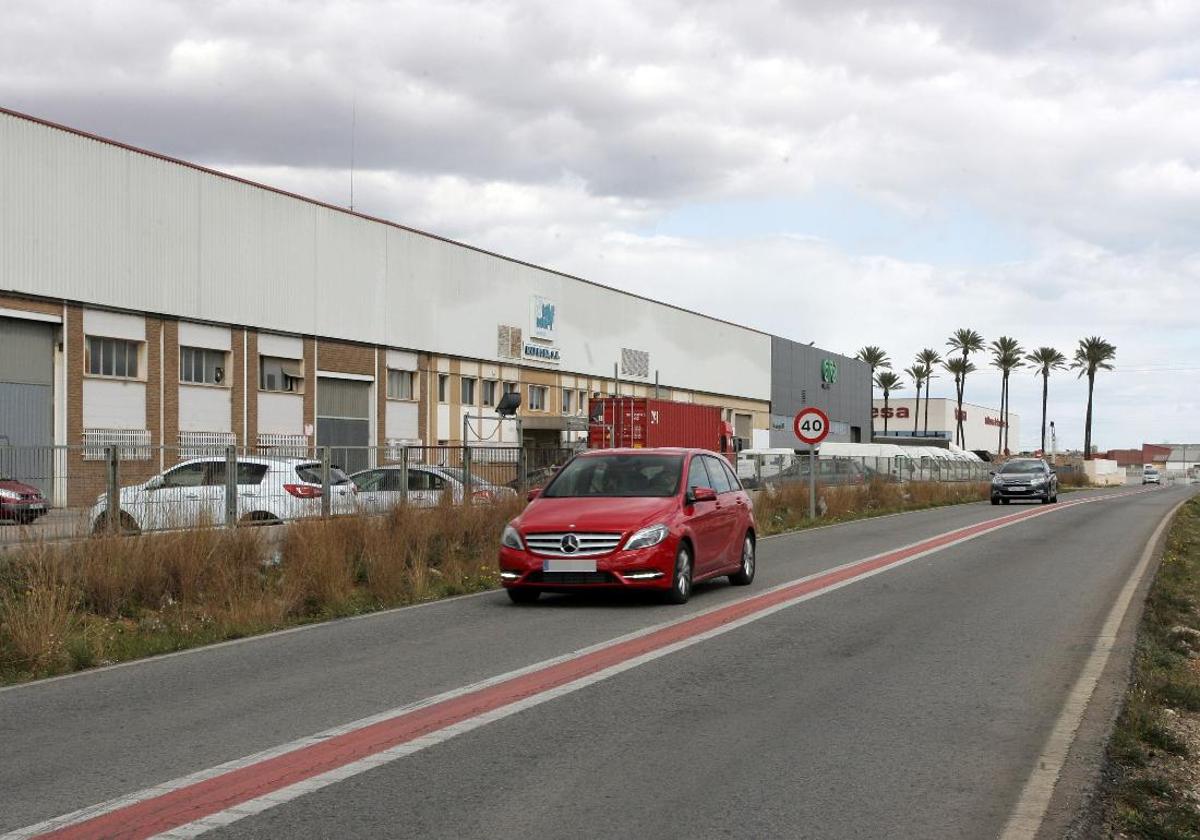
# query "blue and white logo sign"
(542, 319)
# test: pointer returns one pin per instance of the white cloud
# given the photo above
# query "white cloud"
(562, 134)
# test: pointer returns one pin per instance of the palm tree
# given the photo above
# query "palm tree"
(875, 357)
(958, 367)
(966, 342)
(1044, 360)
(1006, 357)
(917, 374)
(888, 382)
(1091, 355)
(929, 359)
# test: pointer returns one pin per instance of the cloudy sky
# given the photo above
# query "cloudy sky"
(871, 173)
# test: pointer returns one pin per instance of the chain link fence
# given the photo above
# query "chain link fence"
(132, 487)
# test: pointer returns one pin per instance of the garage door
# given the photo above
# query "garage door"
(344, 421)
(27, 401)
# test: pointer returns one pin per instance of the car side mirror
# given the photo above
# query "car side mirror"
(991, 472)
(703, 494)
(533, 494)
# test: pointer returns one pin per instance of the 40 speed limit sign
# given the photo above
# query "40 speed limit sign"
(811, 426)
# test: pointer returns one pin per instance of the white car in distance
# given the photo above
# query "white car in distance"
(269, 490)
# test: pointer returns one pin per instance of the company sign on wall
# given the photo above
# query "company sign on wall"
(543, 317)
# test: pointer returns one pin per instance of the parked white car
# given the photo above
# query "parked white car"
(428, 486)
(269, 490)
(1150, 475)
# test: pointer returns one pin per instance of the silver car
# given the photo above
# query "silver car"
(428, 486)
(1024, 478)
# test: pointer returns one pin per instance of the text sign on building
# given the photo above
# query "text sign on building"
(542, 314)
(541, 352)
(811, 425)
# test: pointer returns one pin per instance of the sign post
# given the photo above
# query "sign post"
(811, 426)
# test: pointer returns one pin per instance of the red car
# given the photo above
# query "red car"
(20, 502)
(659, 519)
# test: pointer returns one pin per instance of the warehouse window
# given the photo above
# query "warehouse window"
(489, 392)
(511, 387)
(200, 366)
(400, 385)
(566, 401)
(468, 390)
(113, 357)
(537, 397)
(276, 374)
(443, 387)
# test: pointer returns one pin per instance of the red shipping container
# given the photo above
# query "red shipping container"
(640, 422)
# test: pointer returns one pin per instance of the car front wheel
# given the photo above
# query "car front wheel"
(744, 576)
(681, 581)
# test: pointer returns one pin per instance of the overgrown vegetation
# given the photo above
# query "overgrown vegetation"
(1154, 788)
(69, 606)
(785, 507)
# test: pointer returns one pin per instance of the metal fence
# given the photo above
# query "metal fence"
(71, 491)
(760, 470)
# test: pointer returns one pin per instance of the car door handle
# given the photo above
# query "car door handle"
(191, 495)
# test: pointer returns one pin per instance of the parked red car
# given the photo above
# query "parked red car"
(20, 502)
(660, 519)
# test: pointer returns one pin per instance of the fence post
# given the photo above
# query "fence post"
(404, 474)
(758, 470)
(112, 502)
(231, 486)
(326, 486)
(522, 477)
(466, 462)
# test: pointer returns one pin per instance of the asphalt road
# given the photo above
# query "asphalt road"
(911, 703)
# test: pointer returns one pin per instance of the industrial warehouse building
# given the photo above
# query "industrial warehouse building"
(981, 425)
(148, 302)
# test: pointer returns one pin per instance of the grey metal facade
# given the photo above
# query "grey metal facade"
(343, 420)
(26, 399)
(796, 383)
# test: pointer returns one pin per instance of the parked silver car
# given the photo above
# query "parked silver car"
(1024, 478)
(428, 486)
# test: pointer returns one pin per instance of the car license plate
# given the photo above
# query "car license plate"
(573, 565)
(38, 506)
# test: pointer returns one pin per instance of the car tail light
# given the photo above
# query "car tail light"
(483, 496)
(303, 491)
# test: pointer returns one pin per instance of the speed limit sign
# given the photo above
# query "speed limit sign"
(811, 425)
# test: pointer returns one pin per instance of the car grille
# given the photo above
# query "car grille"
(590, 545)
(570, 578)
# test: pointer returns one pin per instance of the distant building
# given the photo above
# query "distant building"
(981, 425)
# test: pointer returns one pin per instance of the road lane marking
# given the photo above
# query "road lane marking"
(1027, 816)
(221, 795)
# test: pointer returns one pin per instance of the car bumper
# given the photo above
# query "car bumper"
(23, 508)
(1020, 492)
(647, 568)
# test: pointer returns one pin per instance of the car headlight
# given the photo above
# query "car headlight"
(1038, 479)
(647, 537)
(511, 538)
(996, 479)
(9, 494)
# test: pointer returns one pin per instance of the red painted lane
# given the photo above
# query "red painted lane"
(201, 799)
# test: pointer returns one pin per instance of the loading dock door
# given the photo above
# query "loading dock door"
(344, 421)
(27, 401)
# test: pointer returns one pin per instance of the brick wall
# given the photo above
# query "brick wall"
(310, 384)
(251, 386)
(344, 357)
(381, 397)
(170, 382)
(43, 307)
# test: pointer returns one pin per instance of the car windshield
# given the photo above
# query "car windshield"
(617, 476)
(1019, 467)
(311, 473)
(457, 474)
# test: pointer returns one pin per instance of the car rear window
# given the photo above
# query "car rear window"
(311, 473)
(617, 476)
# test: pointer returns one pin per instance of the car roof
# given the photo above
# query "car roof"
(269, 460)
(649, 450)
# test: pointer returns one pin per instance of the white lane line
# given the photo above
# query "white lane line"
(1030, 811)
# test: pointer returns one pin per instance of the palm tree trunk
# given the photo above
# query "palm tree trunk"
(918, 408)
(1004, 412)
(871, 438)
(885, 412)
(960, 432)
(927, 412)
(1087, 427)
(1045, 394)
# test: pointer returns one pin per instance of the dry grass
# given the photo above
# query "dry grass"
(785, 507)
(106, 599)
